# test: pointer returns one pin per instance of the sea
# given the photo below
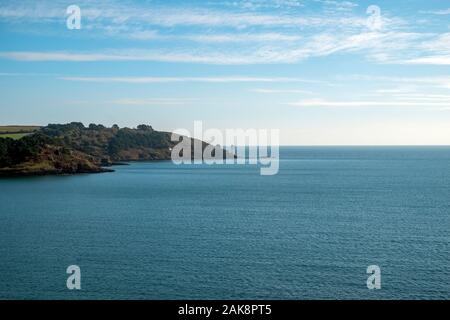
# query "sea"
(156, 230)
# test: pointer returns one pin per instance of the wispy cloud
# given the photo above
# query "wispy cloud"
(433, 60)
(27, 74)
(260, 4)
(423, 97)
(113, 12)
(247, 37)
(153, 102)
(394, 103)
(145, 35)
(318, 45)
(439, 12)
(135, 102)
(435, 51)
(277, 91)
(216, 37)
(436, 81)
(137, 55)
(185, 79)
(339, 4)
(249, 34)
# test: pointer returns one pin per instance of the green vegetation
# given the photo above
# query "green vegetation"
(15, 136)
(111, 144)
(74, 148)
(13, 152)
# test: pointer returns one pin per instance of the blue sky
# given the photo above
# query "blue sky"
(323, 72)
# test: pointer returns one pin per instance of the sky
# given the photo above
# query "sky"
(323, 72)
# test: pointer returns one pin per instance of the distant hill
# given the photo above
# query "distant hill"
(73, 148)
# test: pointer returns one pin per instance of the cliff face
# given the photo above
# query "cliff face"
(73, 148)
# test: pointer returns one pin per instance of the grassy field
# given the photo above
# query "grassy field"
(18, 129)
(16, 132)
(15, 136)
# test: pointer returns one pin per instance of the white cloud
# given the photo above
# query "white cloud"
(271, 36)
(433, 60)
(439, 12)
(440, 43)
(422, 97)
(184, 79)
(260, 4)
(318, 45)
(214, 37)
(107, 12)
(395, 103)
(145, 35)
(339, 5)
(156, 102)
(269, 91)
(397, 90)
(139, 55)
(248, 37)
(28, 74)
(437, 81)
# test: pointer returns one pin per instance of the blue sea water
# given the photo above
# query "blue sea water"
(155, 230)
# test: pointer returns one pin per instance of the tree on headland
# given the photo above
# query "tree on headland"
(16, 151)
